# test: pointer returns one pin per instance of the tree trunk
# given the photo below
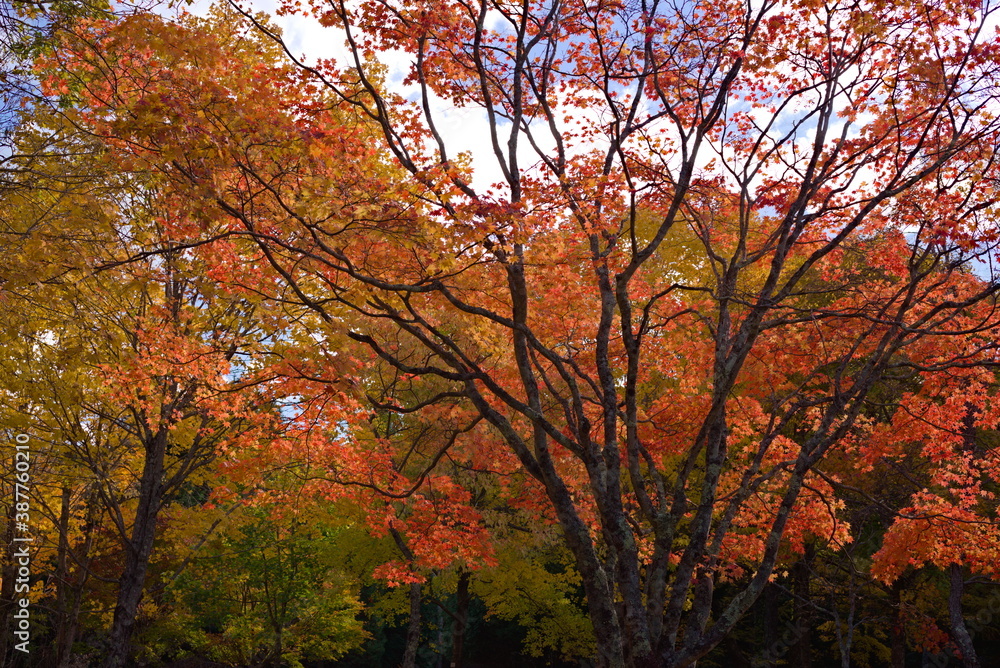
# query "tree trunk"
(801, 655)
(67, 625)
(413, 630)
(78, 589)
(897, 631)
(959, 632)
(772, 625)
(137, 552)
(461, 619)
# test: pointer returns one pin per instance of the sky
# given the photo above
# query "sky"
(467, 129)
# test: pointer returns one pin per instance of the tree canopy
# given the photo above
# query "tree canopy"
(717, 348)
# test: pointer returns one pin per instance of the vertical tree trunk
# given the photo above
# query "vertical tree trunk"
(137, 552)
(413, 630)
(461, 619)
(439, 644)
(772, 625)
(78, 588)
(66, 629)
(801, 655)
(959, 632)
(274, 659)
(897, 632)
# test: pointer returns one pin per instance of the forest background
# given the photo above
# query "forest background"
(692, 361)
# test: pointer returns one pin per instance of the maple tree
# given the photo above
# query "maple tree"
(136, 375)
(669, 419)
(141, 407)
(951, 521)
(722, 229)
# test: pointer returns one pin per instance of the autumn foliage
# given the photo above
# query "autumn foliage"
(702, 331)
